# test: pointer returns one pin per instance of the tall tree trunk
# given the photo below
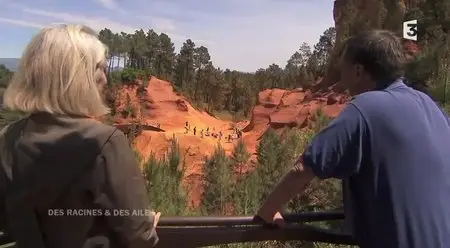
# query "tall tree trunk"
(118, 60)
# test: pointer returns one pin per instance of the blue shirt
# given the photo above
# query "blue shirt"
(392, 147)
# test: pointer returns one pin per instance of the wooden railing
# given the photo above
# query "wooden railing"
(215, 230)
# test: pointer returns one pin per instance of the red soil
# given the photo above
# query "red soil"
(161, 105)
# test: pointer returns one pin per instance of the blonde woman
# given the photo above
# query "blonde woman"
(67, 180)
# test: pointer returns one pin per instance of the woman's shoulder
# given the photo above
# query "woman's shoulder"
(91, 128)
(62, 130)
(12, 128)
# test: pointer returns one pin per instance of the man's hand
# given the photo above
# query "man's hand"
(269, 218)
(156, 216)
(293, 183)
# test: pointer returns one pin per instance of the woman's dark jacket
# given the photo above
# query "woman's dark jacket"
(54, 165)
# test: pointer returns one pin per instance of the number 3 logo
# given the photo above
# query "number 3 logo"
(412, 29)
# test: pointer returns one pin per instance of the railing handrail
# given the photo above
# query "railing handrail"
(204, 231)
(5, 239)
(247, 220)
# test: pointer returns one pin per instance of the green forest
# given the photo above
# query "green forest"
(194, 74)
(232, 94)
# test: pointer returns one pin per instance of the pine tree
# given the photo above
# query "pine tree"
(219, 183)
(164, 179)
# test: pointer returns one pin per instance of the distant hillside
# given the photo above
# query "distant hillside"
(10, 63)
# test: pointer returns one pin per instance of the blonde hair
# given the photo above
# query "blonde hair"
(58, 73)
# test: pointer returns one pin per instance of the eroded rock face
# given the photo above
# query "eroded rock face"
(352, 16)
(279, 108)
(181, 104)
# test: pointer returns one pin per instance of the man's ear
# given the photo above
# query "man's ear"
(359, 70)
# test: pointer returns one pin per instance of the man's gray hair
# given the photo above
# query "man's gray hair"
(380, 52)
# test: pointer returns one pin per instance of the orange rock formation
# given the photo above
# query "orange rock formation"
(159, 104)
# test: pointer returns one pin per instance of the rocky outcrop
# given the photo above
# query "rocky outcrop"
(279, 108)
(352, 16)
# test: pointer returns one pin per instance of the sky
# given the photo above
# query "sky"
(242, 35)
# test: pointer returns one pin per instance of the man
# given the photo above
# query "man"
(391, 145)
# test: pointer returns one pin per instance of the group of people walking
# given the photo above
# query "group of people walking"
(390, 146)
(236, 132)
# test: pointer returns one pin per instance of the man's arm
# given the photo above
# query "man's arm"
(125, 189)
(292, 184)
(336, 152)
